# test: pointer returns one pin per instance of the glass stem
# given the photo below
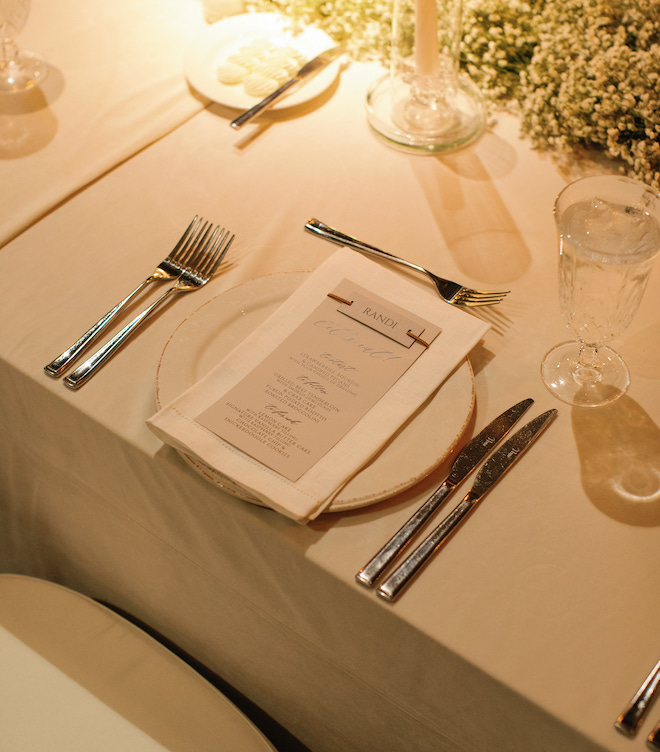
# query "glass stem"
(587, 368)
(588, 356)
(8, 49)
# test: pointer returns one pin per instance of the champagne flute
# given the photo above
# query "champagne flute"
(609, 235)
(20, 70)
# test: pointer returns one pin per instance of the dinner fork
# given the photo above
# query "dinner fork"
(209, 252)
(451, 292)
(169, 268)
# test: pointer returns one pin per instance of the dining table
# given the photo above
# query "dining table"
(534, 626)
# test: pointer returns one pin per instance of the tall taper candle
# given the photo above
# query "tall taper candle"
(426, 37)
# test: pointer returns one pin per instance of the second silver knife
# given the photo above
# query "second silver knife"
(467, 459)
(490, 473)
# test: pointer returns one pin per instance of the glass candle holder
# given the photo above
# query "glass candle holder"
(424, 103)
(20, 69)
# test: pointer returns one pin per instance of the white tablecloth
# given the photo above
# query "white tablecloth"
(114, 85)
(534, 626)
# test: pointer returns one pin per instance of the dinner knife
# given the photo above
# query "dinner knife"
(311, 68)
(631, 718)
(501, 461)
(653, 739)
(468, 458)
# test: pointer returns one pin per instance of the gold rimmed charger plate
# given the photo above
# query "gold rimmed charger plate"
(211, 332)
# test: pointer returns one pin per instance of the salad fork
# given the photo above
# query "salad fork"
(169, 268)
(451, 292)
(209, 251)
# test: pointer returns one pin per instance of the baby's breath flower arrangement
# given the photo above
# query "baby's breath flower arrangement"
(583, 74)
(364, 29)
(594, 81)
(499, 38)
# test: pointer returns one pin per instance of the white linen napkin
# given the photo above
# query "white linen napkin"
(307, 497)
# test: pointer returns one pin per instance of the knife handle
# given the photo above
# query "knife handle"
(265, 103)
(653, 739)
(369, 573)
(407, 569)
(630, 720)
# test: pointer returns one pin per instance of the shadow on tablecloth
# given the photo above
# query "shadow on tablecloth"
(619, 451)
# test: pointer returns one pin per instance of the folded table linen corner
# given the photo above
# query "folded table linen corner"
(305, 498)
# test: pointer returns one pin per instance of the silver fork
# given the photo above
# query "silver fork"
(209, 252)
(450, 291)
(169, 268)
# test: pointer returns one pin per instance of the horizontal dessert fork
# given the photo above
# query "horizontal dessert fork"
(209, 251)
(169, 268)
(451, 292)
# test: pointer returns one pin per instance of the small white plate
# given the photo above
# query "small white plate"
(222, 39)
(203, 339)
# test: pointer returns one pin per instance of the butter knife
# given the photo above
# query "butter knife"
(467, 459)
(490, 473)
(308, 70)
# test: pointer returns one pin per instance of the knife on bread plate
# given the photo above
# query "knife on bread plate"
(311, 68)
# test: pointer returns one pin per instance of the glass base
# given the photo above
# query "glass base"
(25, 71)
(584, 386)
(412, 126)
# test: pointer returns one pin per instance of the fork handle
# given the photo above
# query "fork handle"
(83, 373)
(62, 362)
(329, 233)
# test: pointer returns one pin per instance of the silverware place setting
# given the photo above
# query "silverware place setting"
(633, 715)
(311, 68)
(191, 264)
(451, 292)
(468, 458)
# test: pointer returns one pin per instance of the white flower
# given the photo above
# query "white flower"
(584, 74)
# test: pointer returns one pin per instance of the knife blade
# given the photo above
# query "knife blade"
(500, 462)
(468, 458)
(311, 68)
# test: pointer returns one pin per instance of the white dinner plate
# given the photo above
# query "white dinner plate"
(205, 337)
(226, 37)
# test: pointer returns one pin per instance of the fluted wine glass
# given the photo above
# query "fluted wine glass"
(609, 235)
(20, 69)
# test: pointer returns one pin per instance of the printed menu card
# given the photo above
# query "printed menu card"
(294, 411)
(317, 384)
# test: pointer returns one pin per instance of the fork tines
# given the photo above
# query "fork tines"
(468, 297)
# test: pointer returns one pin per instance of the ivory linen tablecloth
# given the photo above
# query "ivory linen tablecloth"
(114, 85)
(530, 630)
